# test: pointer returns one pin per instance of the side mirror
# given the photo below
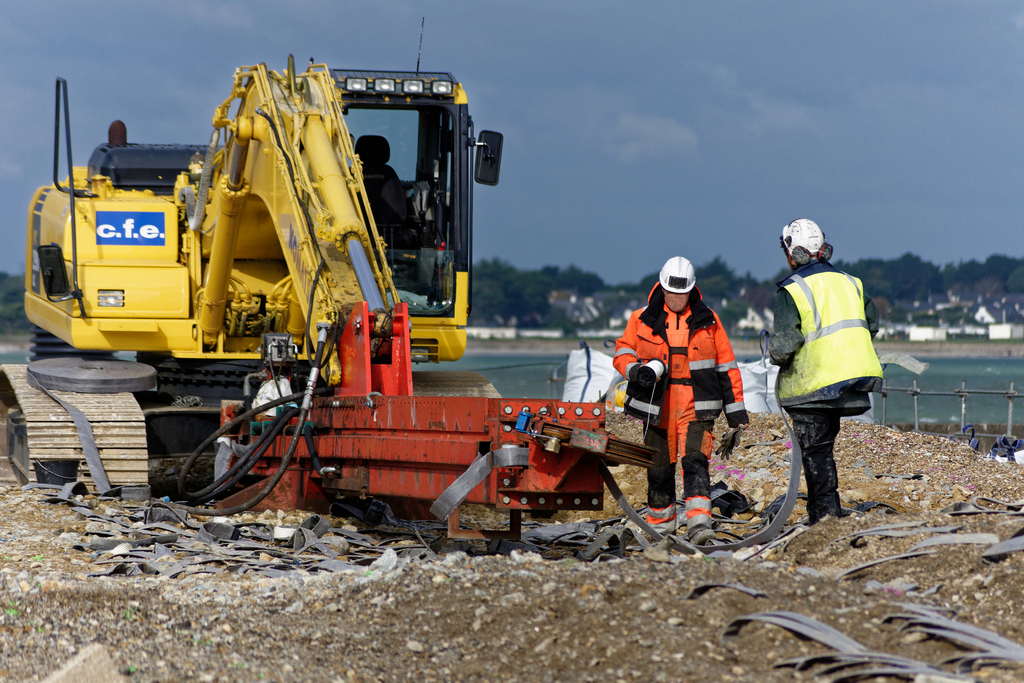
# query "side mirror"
(53, 271)
(488, 157)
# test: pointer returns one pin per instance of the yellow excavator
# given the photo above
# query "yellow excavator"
(332, 187)
(327, 245)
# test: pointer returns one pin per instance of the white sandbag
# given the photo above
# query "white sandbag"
(759, 386)
(587, 375)
(759, 390)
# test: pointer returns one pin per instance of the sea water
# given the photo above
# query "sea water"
(530, 376)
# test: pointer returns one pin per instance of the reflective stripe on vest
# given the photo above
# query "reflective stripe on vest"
(627, 351)
(735, 407)
(706, 364)
(818, 330)
(707, 405)
(837, 344)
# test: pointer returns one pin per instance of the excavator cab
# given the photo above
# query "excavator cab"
(414, 137)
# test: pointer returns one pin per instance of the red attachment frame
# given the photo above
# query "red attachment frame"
(385, 442)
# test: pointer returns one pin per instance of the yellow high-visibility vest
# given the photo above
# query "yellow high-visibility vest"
(837, 344)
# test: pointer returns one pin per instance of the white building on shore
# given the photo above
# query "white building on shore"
(491, 332)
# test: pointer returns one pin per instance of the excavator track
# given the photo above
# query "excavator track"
(454, 383)
(39, 429)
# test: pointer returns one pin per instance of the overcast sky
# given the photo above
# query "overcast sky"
(633, 131)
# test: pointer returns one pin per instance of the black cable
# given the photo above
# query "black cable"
(229, 426)
(285, 459)
(223, 482)
(309, 306)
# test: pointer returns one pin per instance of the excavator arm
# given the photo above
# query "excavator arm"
(289, 157)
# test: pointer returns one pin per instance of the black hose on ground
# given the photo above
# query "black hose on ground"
(762, 536)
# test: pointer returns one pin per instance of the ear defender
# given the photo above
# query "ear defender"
(801, 256)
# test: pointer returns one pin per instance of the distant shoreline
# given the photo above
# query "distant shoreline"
(750, 349)
(15, 344)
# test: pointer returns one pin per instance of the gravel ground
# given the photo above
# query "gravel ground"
(467, 615)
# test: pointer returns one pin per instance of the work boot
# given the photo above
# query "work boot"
(700, 534)
(698, 520)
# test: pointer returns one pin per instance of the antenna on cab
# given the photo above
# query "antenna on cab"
(420, 51)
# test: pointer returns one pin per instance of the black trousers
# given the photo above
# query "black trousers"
(816, 430)
(661, 479)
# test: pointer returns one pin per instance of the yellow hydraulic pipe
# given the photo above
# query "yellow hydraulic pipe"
(233, 191)
(333, 187)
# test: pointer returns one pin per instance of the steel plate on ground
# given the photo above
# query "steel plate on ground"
(91, 375)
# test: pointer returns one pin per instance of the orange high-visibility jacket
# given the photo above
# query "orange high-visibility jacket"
(701, 373)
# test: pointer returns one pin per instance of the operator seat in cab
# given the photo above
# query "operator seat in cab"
(385, 193)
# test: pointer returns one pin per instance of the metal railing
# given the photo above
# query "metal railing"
(553, 377)
(963, 392)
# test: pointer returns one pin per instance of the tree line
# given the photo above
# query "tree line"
(12, 304)
(504, 294)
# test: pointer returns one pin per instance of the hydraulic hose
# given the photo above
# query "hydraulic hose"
(250, 461)
(243, 465)
(314, 457)
(230, 426)
(307, 400)
(204, 182)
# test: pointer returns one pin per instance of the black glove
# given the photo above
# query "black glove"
(646, 376)
(730, 440)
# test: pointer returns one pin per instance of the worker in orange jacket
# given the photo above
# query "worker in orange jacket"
(681, 375)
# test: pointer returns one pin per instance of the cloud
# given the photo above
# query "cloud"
(610, 125)
(636, 136)
(1018, 21)
(10, 168)
(754, 111)
(768, 114)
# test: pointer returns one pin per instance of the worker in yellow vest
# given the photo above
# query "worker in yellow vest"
(824, 323)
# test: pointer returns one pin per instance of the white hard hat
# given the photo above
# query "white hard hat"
(803, 233)
(677, 275)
